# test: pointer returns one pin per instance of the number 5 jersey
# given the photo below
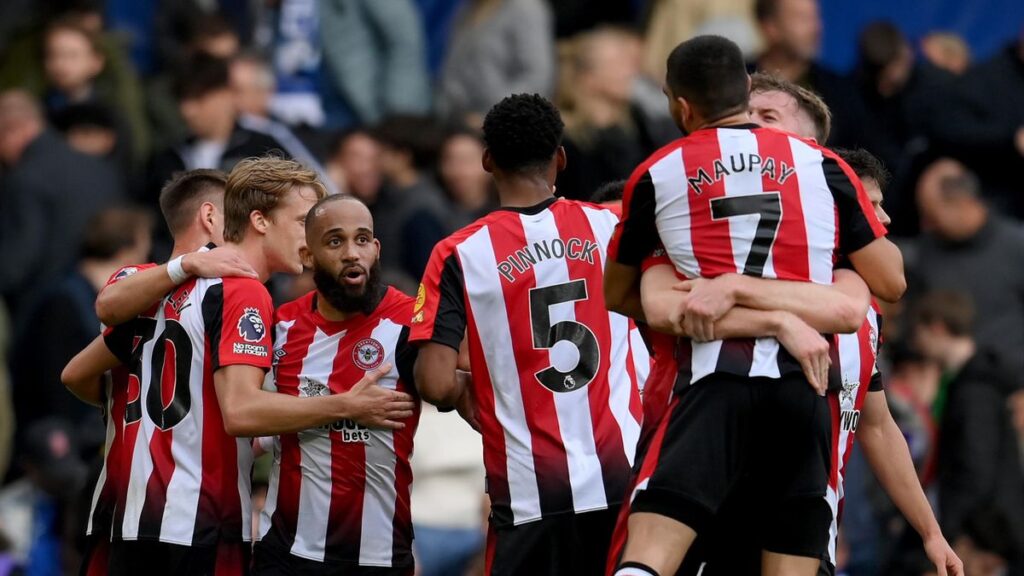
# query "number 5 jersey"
(556, 376)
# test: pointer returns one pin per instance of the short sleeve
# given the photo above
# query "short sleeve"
(858, 224)
(235, 313)
(120, 340)
(656, 258)
(636, 235)
(126, 271)
(439, 314)
(876, 382)
(405, 359)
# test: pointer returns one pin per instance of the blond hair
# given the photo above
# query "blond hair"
(806, 100)
(259, 184)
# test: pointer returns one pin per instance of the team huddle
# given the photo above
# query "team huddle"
(669, 384)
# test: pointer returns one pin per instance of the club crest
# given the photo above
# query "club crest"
(368, 354)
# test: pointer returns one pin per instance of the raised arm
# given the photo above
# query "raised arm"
(125, 298)
(880, 264)
(248, 410)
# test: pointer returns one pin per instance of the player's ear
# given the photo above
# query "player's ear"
(306, 256)
(560, 159)
(487, 162)
(258, 221)
(207, 217)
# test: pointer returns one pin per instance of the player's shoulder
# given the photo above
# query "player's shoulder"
(587, 210)
(397, 306)
(294, 309)
(242, 285)
(130, 270)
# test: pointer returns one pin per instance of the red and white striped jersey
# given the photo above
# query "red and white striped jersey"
(340, 493)
(858, 371)
(748, 200)
(122, 340)
(555, 375)
(189, 481)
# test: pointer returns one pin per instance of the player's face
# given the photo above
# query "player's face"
(345, 255)
(285, 235)
(780, 110)
(874, 192)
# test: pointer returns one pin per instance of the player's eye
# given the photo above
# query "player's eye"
(334, 242)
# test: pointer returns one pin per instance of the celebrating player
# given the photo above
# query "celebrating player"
(338, 501)
(734, 198)
(554, 374)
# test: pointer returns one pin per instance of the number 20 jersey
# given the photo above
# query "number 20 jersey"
(188, 480)
(555, 375)
(748, 200)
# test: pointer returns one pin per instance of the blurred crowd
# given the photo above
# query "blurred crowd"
(102, 101)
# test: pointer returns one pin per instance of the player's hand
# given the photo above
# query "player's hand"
(466, 406)
(809, 348)
(375, 407)
(707, 302)
(947, 563)
(217, 263)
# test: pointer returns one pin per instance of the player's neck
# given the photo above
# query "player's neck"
(251, 250)
(188, 242)
(741, 117)
(523, 191)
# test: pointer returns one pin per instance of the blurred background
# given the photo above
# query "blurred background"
(102, 101)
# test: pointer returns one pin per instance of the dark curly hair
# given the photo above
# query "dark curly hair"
(523, 132)
(865, 165)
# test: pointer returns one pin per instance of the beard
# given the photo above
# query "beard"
(350, 299)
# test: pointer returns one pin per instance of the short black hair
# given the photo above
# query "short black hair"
(200, 75)
(880, 44)
(523, 132)
(311, 216)
(710, 73)
(113, 230)
(609, 192)
(865, 165)
(185, 191)
(420, 136)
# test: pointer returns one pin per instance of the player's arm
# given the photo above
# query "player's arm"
(249, 411)
(436, 378)
(83, 374)
(634, 239)
(126, 298)
(889, 457)
(861, 236)
(835, 309)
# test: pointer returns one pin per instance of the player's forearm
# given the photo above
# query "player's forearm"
(437, 379)
(749, 323)
(839, 308)
(125, 299)
(886, 451)
(263, 413)
(622, 290)
(83, 374)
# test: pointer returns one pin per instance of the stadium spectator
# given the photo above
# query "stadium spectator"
(354, 165)
(253, 82)
(606, 136)
(375, 57)
(672, 21)
(978, 462)
(967, 247)
(92, 129)
(114, 238)
(792, 30)
(216, 140)
(38, 511)
(417, 213)
(946, 50)
(50, 191)
(75, 68)
(498, 47)
(463, 177)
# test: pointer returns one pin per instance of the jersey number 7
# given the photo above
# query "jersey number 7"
(546, 335)
(768, 206)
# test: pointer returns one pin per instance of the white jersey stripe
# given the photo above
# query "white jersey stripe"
(485, 297)
(668, 174)
(572, 408)
(376, 538)
(315, 450)
(818, 208)
(735, 148)
(109, 441)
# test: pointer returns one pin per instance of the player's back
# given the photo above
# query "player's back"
(190, 480)
(554, 373)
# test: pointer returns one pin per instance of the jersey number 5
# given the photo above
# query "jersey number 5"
(546, 335)
(769, 207)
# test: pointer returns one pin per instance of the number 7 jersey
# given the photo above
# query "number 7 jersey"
(555, 375)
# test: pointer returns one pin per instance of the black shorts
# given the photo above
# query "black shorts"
(555, 546)
(162, 559)
(271, 560)
(772, 436)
